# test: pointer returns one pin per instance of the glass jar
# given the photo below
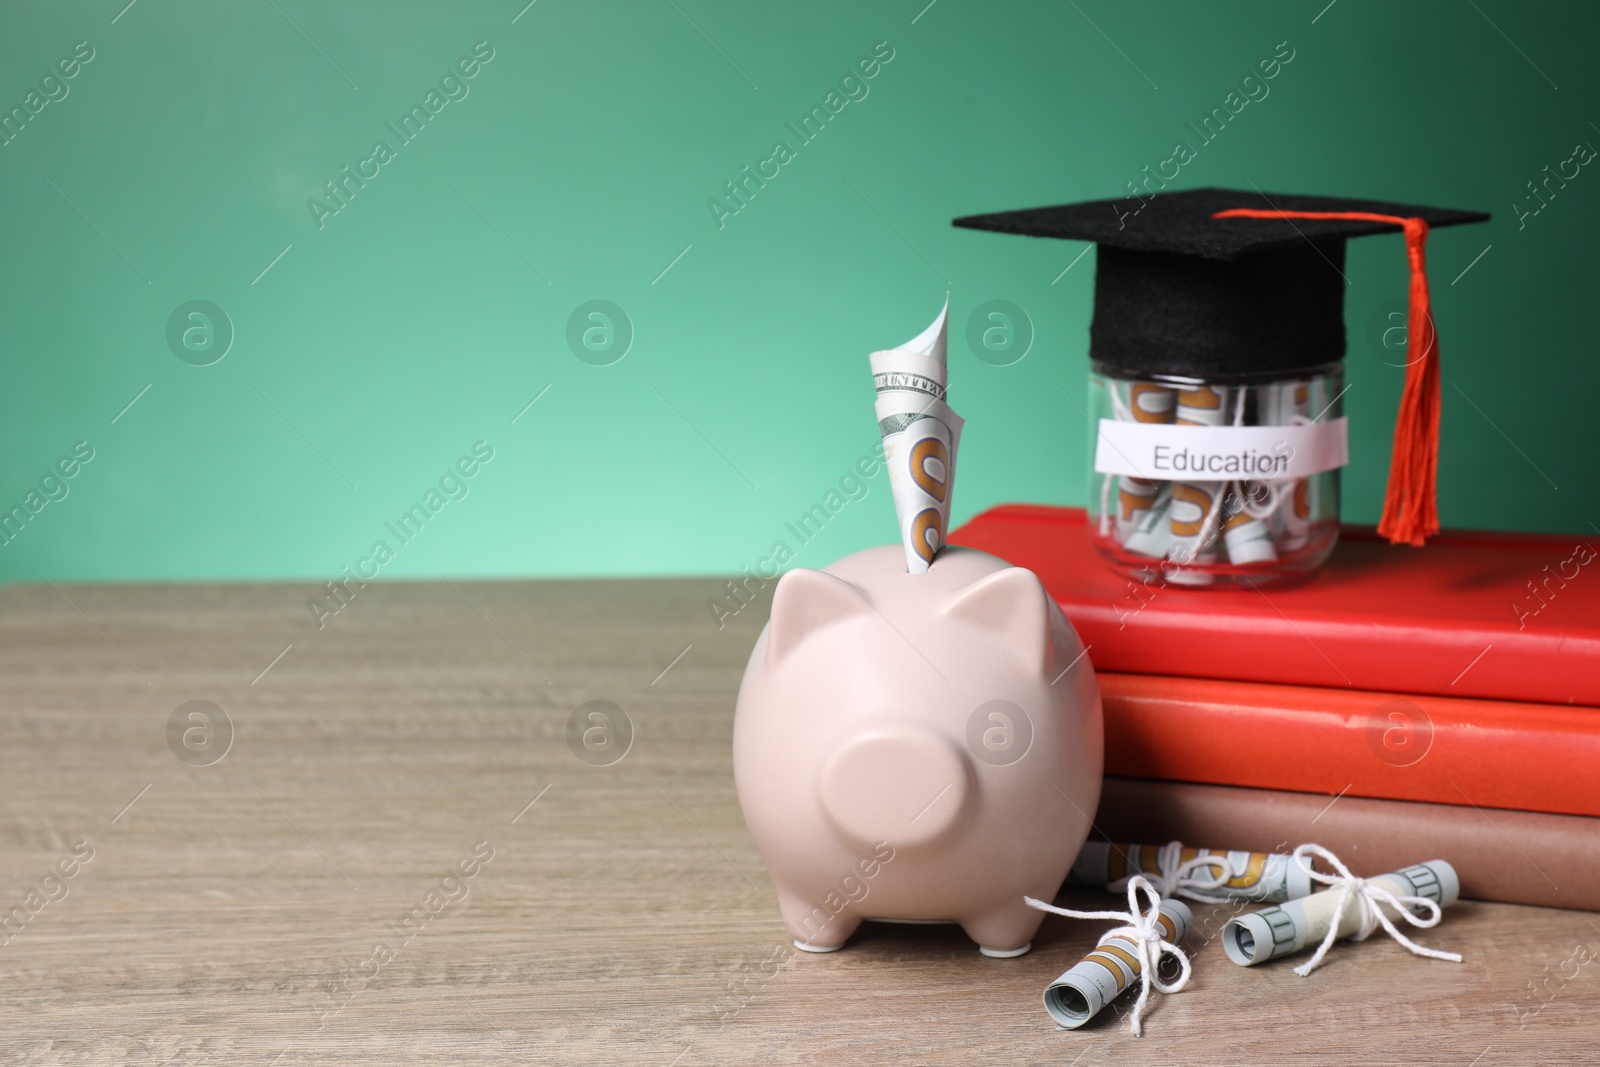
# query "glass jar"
(1215, 483)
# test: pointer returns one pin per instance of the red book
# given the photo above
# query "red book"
(1442, 750)
(1504, 616)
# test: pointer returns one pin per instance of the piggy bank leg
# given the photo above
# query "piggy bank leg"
(813, 928)
(1005, 931)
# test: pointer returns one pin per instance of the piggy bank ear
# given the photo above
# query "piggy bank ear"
(1010, 604)
(805, 602)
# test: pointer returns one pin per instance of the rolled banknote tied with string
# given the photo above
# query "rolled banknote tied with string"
(920, 438)
(1320, 503)
(1142, 524)
(1203, 510)
(1151, 531)
(1139, 503)
(1245, 532)
(1246, 509)
(1292, 926)
(1211, 876)
(1086, 987)
(1285, 404)
(1193, 514)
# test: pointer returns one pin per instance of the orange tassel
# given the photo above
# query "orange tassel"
(1410, 507)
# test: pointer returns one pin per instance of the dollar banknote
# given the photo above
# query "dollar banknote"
(1264, 876)
(1141, 508)
(1292, 926)
(920, 438)
(1285, 404)
(1104, 974)
(1247, 537)
(1150, 531)
(1193, 515)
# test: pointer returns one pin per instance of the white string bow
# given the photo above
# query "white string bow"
(1367, 896)
(1174, 879)
(1144, 930)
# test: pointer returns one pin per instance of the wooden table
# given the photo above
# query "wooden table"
(293, 902)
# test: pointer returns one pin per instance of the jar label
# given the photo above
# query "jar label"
(1159, 452)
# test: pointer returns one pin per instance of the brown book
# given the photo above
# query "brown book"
(1516, 857)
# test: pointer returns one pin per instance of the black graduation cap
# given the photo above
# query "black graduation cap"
(1209, 283)
(1179, 291)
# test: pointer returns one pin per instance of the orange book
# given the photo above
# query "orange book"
(1346, 742)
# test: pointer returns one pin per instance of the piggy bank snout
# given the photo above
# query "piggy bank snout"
(903, 785)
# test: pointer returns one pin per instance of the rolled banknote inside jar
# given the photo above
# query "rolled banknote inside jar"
(1151, 532)
(1321, 505)
(1193, 514)
(1247, 537)
(1287, 404)
(1292, 926)
(920, 438)
(1135, 498)
(1084, 990)
(1255, 876)
(1149, 402)
(1142, 504)
(1246, 534)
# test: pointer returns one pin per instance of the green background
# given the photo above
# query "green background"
(434, 307)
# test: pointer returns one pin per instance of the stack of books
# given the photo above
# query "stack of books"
(1400, 704)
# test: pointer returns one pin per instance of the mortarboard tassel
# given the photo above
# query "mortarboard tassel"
(1410, 507)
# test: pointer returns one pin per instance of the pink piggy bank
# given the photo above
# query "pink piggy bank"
(917, 748)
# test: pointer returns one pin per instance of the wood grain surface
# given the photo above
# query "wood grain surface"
(302, 899)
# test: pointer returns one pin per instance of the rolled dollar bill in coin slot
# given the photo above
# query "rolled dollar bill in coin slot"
(920, 438)
(1261, 876)
(1296, 924)
(1104, 974)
